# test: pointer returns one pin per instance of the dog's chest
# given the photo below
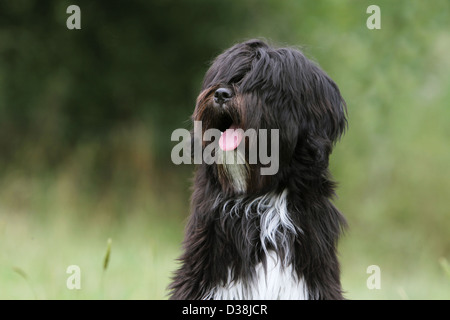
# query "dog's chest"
(273, 283)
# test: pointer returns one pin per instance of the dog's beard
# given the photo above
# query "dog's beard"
(234, 169)
(238, 152)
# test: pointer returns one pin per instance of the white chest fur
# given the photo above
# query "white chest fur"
(273, 283)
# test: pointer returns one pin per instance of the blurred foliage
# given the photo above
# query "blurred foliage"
(132, 62)
(86, 117)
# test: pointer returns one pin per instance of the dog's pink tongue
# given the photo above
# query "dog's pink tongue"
(230, 139)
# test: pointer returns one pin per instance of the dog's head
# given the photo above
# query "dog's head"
(258, 88)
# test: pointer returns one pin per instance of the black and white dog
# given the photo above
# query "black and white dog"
(273, 236)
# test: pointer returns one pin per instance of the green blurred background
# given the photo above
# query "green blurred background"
(86, 117)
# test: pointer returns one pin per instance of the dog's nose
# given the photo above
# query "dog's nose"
(222, 95)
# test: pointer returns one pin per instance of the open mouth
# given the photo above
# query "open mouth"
(231, 134)
(224, 121)
(231, 138)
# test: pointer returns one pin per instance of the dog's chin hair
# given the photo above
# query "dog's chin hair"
(234, 169)
(274, 277)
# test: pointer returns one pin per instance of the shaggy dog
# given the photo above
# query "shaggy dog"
(264, 236)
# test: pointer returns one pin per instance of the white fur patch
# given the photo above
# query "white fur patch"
(236, 169)
(274, 283)
(279, 279)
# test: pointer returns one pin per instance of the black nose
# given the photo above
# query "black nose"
(222, 95)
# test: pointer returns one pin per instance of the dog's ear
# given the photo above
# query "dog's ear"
(337, 110)
(323, 117)
(325, 108)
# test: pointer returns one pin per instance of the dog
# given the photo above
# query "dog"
(273, 236)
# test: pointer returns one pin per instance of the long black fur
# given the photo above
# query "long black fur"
(274, 88)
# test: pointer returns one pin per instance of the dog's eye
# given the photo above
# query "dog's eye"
(236, 80)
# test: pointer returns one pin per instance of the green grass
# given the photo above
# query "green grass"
(50, 223)
(39, 243)
(416, 276)
(35, 256)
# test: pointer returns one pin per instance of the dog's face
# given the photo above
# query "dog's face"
(254, 86)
